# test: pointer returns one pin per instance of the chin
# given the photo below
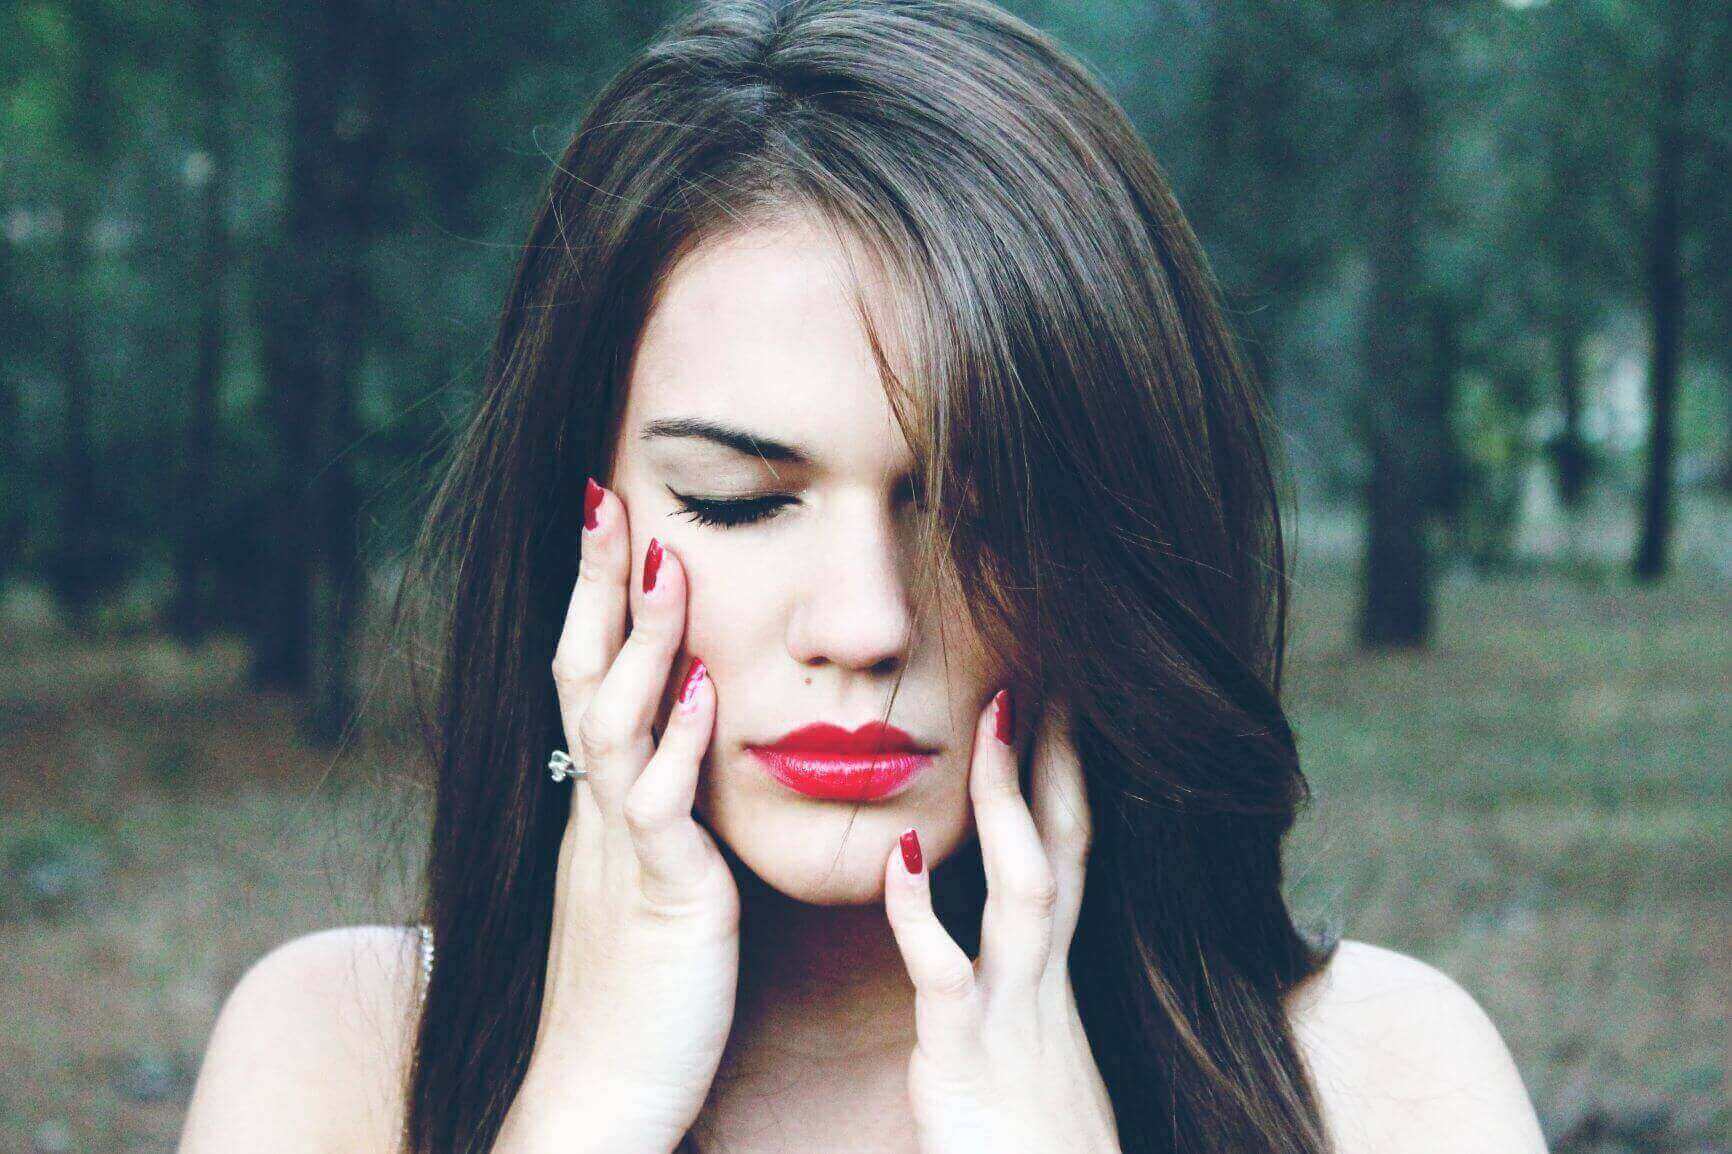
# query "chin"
(817, 852)
(815, 884)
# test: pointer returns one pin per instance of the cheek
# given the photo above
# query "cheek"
(730, 610)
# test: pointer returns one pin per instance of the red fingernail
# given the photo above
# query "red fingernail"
(911, 852)
(652, 561)
(694, 674)
(1003, 716)
(592, 494)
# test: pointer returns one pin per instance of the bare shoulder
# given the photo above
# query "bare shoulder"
(1407, 1062)
(309, 1051)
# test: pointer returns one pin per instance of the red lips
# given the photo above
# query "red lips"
(874, 762)
(822, 737)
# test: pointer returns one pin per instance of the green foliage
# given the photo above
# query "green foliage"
(1489, 431)
(53, 866)
(1539, 149)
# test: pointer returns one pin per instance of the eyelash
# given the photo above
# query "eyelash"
(730, 514)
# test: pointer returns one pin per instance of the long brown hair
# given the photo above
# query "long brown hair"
(1098, 467)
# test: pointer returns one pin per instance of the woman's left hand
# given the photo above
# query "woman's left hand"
(1001, 1064)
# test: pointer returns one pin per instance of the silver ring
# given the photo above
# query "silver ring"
(560, 766)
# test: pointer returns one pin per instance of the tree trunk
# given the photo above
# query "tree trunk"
(1397, 607)
(343, 82)
(74, 573)
(189, 618)
(1665, 300)
(286, 288)
(13, 324)
(1571, 458)
(1724, 477)
(341, 581)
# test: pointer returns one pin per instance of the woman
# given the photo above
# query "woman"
(919, 667)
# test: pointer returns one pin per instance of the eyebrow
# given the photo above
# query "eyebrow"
(727, 436)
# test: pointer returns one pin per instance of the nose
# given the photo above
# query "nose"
(853, 608)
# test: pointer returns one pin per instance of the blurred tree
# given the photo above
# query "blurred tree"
(253, 252)
(1319, 120)
(78, 36)
(1673, 29)
(12, 454)
(345, 62)
(1396, 45)
(391, 119)
(15, 78)
(1610, 117)
(1565, 132)
(1272, 140)
(206, 79)
(1713, 210)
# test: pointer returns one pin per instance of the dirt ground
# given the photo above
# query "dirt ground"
(1538, 805)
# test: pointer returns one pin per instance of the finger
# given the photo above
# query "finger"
(1061, 814)
(670, 847)
(594, 627)
(1021, 892)
(615, 731)
(946, 993)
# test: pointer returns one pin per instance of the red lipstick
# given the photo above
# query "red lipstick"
(829, 762)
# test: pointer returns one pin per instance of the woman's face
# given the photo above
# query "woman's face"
(805, 615)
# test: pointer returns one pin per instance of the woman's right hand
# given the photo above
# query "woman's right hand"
(643, 964)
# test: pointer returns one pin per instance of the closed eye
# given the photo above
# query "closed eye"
(730, 513)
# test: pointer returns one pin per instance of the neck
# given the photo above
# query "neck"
(818, 983)
(823, 1027)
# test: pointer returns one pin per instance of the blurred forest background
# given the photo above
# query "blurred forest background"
(1481, 252)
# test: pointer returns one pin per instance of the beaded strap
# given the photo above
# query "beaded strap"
(426, 958)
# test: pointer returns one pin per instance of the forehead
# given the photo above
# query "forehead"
(758, 329)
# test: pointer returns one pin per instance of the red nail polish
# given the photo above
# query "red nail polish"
(592, 493)
(694, 674)
(1003, 716)
(911, 852)
(652, 562)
